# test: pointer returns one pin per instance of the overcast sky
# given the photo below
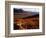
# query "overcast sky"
(31, 9)
(27, 8)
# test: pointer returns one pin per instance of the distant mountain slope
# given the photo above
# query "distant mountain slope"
(18, 10)
(37, 15)
(19, 13)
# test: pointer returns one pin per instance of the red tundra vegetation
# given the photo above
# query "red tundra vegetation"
(31, 22)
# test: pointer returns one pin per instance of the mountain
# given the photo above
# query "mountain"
(19, 13)
(18, 10)
(37, 15)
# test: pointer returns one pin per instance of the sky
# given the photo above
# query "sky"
(27, 8)
(31, 9)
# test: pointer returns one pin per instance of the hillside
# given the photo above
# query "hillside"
(27, 23)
